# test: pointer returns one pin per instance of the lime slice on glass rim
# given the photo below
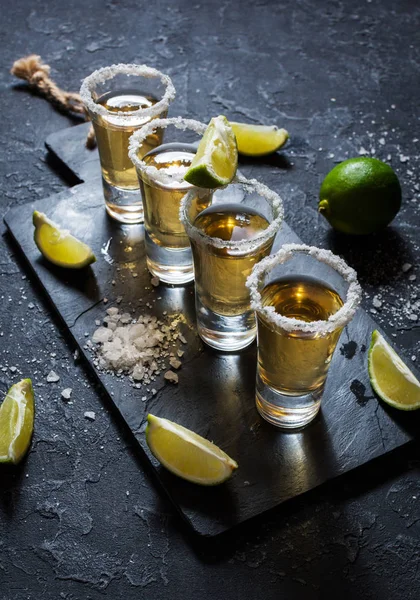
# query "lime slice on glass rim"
(258, 140)
(391, 379)
(16, 422)
(187, 454)
(216, 160)
(59, 246)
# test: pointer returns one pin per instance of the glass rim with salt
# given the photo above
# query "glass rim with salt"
(104, 74)
(138, 137)
(335, 321)
(249, 186)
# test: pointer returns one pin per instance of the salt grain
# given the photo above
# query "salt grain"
(171, 376)
(175, 363)
(52, 377)
(66, 393)
(376, 302)
(90, 415)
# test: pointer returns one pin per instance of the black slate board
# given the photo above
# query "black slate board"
(215, 395)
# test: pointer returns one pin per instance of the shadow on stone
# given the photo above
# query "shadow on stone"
(377, 258)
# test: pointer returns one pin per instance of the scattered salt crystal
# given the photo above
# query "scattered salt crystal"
(154, 392)
(13, 369)
(182, 338)
(363, 150)
(101, 335)
(31, 305)
(376, 302)
(412, 277)
(180, 353)
(119, 299)
(97, 322)
(105, 300)
(413, 358)
(66, 393)
(135, 274)
(382, 141)
(406, 267)
(143, 398)
(138, 372)
(52, 377)
(175, 363)
(135, 347)
(155, 281)
(404, 159)
(89, 414)
(75, 355)
(171, 376)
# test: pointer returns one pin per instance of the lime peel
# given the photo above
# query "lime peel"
(58, 245)
(187, 454)
(390, 377)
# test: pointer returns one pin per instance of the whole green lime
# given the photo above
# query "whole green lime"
(360, 196)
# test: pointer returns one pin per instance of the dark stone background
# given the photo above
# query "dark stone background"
(75, 518)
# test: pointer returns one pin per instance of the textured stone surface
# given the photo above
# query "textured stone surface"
(68, 527)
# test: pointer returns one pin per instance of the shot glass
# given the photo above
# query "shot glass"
(303, 297)
(227, 239)
(161, 175)
(121, 99)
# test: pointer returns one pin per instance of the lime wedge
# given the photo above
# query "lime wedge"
(59, 246)
(187, 454)
(16, 422)
(216, 160)
(258, 140)
(391, 379)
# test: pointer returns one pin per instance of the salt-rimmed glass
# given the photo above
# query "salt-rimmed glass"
(121, 99)
(303, 297)
(227, 240)
(161, 175)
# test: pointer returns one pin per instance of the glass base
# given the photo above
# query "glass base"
(171, 265)
(286, 411)
(225, 333)
(125, 206)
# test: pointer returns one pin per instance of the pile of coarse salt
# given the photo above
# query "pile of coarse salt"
(140, 348)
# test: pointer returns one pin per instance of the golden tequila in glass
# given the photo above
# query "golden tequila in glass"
(121, 99)
(112, 140)
(161, 175)
(227, 240)
(300, 319)
(221, 272)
